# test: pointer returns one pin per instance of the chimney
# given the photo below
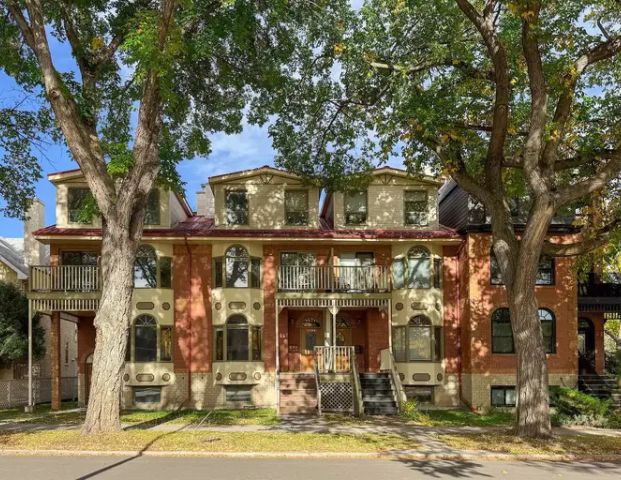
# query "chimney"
(205, 202)
(35, 252)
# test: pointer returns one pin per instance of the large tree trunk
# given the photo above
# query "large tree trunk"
(533, 411)
(111, 326)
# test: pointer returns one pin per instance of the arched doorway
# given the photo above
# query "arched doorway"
(88, 373)
(586, 346)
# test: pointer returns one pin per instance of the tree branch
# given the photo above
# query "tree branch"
(592, 184)
(596, 239)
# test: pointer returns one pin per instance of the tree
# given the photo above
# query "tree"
(512, 99)
(189, 69)
(14, 326)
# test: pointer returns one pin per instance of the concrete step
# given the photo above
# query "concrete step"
(297, 410)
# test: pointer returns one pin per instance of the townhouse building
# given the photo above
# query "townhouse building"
(276, 294)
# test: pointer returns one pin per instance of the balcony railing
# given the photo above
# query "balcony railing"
(334, 359)
(64, 278)
(331, 278)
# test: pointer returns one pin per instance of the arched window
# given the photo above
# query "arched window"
(151, 271)
(418, 341)
(419, 268)
(502, 334)
(239, 269)
(237, 341)
(548, 328)
(145, 267)
(149, 341)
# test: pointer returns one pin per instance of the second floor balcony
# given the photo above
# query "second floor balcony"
(331, 278)
(64, 279)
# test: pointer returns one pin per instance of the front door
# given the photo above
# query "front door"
(311, 336)
(586, 346)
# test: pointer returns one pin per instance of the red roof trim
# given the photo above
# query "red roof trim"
(203, 227)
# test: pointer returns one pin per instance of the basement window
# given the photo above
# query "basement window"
(238, 393)
(503, 396)
(422, 395)
(147, 395)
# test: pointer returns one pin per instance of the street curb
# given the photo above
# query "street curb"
(319, 455)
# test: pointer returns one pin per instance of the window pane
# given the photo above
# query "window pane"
(297, 259)
(237, 344)
(145, 268)
(152, 213)
(77, 201)
(256, 343)
(238, 393)
(398, 344)
(217, 272)
(419, 343)
(255, 273)
(236, 265)
(355, 207)
(498, 397)
(398, 273)
(165, 344)
(145, 339)
(219, 345)
(236, 208)
(437, 344)
(502, 334)
(147, 395)
(545, 274)
(510, 397)
(79, 258)
(547, 328)
(415, 207)
(296, 207)
(165, 272)
(419, 270)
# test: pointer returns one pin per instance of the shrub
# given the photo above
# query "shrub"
(572, 407)
(409, 410)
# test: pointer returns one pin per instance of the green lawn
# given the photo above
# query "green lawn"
(463, 418)
(501, 442)
(205, 441)
(18, 414)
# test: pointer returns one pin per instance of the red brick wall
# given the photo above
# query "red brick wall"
(377, 336)
(86, 340)
(484, 298)
(451, 323)
(193, 324)
(597, 319)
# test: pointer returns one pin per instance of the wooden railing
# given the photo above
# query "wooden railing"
(334, 359)
(64, 278)
(331, 278)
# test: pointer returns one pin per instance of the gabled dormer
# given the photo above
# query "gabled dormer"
(263, 198)
(393, 200)
(165, 208)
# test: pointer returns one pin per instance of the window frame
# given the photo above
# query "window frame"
(347, 213)
(221, 334)
(253, 272)
(131, 346)
(145, 387)
(552, 271)
(163, 269)
(228, 211)
(495, 275)
(492, 321)
(306, 211)
(404, 331)
(505, 389)
(71, 211)
(424, 212)
(551, 340)
(157, 215)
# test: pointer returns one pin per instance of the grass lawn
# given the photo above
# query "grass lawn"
(18, 414)
(463, 418)
(506, 443)
(43, 415)
(205, 441)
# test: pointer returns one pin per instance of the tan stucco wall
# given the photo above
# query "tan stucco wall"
(385, 204)
(266, 202)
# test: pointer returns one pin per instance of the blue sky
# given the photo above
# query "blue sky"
(248, 149)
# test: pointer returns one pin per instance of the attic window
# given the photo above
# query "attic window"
(415, 207)
(77, 201)
(296, 207)
(236, 207)
(152, 213)
(356, 208)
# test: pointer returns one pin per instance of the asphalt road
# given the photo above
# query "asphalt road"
(155, 468)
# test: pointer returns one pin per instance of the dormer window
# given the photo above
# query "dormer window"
(152, 213)
(77, 200)
(296, 207)
(416, 207)
(356, 207)
(236, 202)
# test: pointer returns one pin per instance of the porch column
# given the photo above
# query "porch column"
(333, 310)
(55, 359)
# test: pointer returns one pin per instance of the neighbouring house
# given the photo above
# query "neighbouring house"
(272, 294)
(17, 255)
